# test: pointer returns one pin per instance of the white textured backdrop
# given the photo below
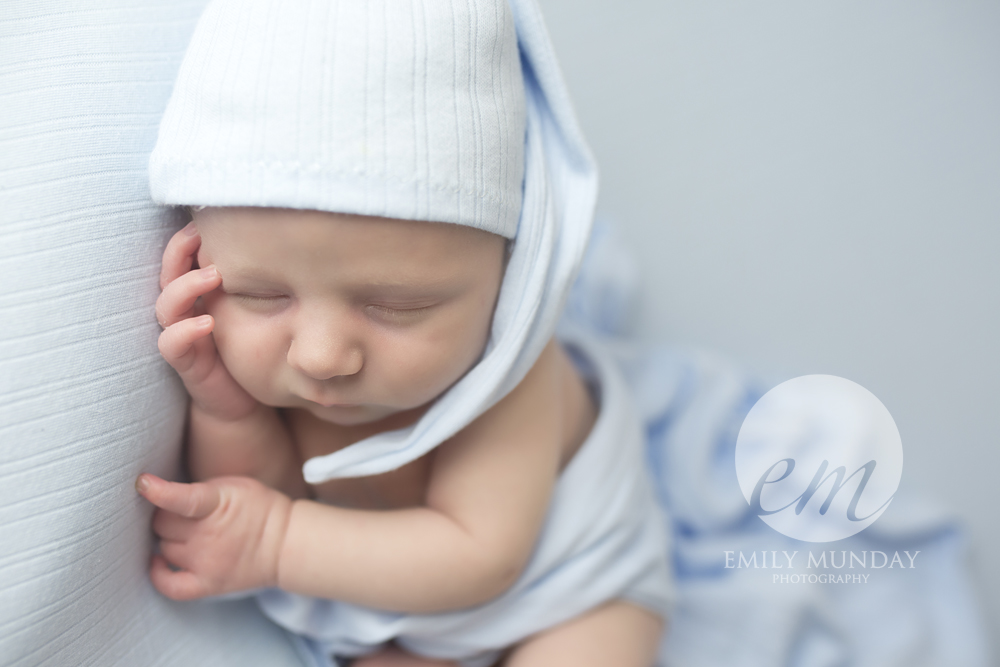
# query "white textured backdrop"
(814, 187)
(86, 404)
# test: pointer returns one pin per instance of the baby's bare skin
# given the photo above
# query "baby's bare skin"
(317, 351)
(407, 486)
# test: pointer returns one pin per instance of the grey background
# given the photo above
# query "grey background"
(815, 188)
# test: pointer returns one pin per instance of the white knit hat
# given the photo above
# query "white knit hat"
(413, 109)
(406, 109)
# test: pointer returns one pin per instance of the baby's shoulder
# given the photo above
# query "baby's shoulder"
(553, 398)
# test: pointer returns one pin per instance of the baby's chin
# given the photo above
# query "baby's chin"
(357, 415)
(347, 415)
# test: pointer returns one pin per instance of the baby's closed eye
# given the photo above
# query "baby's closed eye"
(260, 301)
(396, 313)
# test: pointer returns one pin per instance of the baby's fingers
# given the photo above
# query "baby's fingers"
(178, 256)
(176, 302)
(194, 501)
(177, 342)
(172, 527)
(180, 585)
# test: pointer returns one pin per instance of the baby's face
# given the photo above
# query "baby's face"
(352, 318)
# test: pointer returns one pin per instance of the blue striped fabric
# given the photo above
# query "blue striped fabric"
(85, 401)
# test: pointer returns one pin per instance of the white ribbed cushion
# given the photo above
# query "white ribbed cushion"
(408, 109)
(85, 401)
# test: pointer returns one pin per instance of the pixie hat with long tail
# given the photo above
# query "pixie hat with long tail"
(442, 110)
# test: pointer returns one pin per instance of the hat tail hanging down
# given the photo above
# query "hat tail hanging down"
(215, 100)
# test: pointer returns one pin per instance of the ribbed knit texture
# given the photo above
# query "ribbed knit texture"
(86, 403)
(408, 109)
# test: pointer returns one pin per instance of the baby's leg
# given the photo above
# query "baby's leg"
(617, 634)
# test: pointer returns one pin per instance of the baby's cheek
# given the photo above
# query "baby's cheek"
(247, 355)
(467, 337)
(441, 362)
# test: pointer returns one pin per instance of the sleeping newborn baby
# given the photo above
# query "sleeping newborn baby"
(390, 448)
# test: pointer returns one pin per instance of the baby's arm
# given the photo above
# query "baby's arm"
(229, 433)
(487, 499)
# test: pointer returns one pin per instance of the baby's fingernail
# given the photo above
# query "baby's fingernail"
(190, 229)
(208, 272)
(142, 484)
(203, 320)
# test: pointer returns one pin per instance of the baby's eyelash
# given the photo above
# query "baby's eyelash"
(397, 312)
(256, 298)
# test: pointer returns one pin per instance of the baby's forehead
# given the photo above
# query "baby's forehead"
(267, 244)
(306, 226)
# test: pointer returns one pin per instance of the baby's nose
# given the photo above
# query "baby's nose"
(323, 355)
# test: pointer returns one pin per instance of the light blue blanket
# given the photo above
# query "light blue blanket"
(739, 612)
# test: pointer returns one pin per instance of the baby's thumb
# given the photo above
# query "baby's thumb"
(194, 501)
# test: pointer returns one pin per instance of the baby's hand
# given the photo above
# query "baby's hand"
(224, 534)
(186, 342)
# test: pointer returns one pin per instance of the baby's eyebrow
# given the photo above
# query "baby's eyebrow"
(239, 278)
(433, 289)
